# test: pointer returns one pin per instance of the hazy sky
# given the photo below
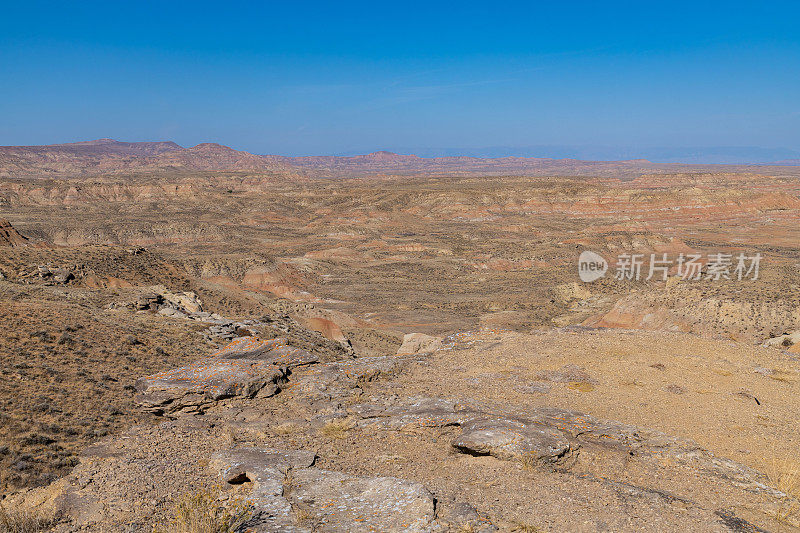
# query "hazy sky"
(307, 78)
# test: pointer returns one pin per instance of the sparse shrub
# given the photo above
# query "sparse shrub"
(202, 512)
(65, 338)
(42, 335)
(132, 340)
(34, 439)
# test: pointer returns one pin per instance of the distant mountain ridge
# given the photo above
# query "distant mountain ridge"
(703, 155)
(97, 147)
(117, 147)
(390, 163)
(108, 157)
(787, 162)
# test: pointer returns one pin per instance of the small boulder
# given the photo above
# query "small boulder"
(414, 343)
(62, 275)
(784, 341)
(148, 300)
(510, 439)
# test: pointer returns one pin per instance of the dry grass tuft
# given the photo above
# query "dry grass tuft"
(529, 461)
(230, 436)
(784, 376)
(524, 527)
(202, 512)
(338, 428)
(581, 386)
(785, 477)
(288, 483)
(301, 515)
(286, 428)
(22, 520)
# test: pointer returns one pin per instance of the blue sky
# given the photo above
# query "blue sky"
(319, 78)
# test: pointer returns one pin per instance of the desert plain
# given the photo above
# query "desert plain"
(392, 343)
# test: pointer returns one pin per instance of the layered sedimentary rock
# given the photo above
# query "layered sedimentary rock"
(10, 236)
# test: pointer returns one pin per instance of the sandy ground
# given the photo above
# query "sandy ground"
(681, 384)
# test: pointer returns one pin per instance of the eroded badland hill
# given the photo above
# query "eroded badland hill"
(393, 343)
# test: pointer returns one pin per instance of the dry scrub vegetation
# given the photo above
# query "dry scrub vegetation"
(338, 428)
(784, 473)
(203, 512)
(24, 520)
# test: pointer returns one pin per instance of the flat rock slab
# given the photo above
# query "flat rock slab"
(245, 367)
(337, 502)
(251, 462)
(509, 439)
(267, 469)
(420, 412)
(285, 487)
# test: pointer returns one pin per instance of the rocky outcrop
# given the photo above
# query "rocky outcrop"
(246, 367)
(788, 341)
(572, 466)
(187, 305)
(549, 437)
(10, 236)
(414, 343)
(289, 494)
(690, 310)
(55, 274)
(158, 298)
(268, 471)
(331, 383)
